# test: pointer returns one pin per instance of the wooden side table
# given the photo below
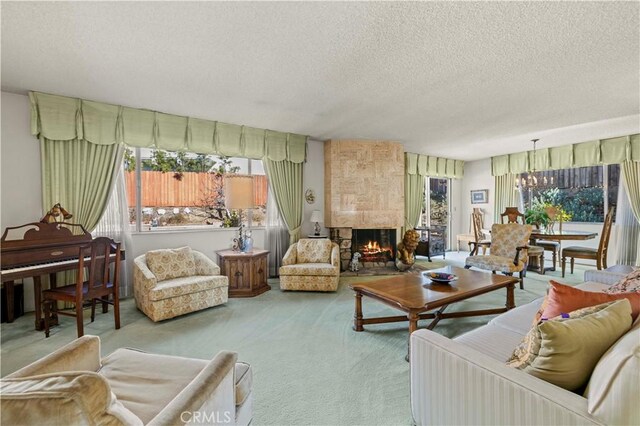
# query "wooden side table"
(247, 272)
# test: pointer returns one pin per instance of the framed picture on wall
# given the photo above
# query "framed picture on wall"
(480, 196)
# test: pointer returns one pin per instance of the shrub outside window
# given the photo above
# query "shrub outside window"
(584, 193)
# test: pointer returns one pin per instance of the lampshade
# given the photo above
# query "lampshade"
(238, 191)
(316, 216)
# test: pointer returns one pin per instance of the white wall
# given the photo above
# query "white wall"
(21, 194)
(21, 189)
(477, 175)
(313, 179)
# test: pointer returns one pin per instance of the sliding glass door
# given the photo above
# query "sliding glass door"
(436, 206)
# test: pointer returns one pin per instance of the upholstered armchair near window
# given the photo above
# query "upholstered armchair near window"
(508, 250)
(311, 265)
(172, 282)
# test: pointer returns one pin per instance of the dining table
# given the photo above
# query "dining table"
(560, 235)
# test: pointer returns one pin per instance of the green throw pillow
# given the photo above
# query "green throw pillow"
(565, 350)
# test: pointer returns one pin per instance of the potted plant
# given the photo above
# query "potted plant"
(537, 216)
(544, 212)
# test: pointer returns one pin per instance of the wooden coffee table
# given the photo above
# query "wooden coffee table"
(416, 295)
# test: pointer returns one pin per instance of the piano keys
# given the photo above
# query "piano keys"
(37, 249)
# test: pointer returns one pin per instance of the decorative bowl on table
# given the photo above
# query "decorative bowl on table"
(440, 277)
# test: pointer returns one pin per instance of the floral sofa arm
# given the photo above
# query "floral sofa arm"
(291, 256)
(445, 372)
(142, 275)
(335, 255)
(204, 265)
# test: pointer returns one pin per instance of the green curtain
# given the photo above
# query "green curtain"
(631, 181)
(62, 118)
(79, 175)
(413, 199)
(506, 195)
(592, 153)
(285, 179)
(426, 165)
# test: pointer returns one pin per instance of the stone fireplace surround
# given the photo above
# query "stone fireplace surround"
(364, 189)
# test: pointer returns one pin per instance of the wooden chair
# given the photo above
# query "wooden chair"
(470, 238)
(599, 254)
(479, 240)
(99, 287)
(513, 215)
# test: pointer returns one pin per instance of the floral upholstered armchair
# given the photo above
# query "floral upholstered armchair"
(508, 250)
(311, 265)
(172, 282)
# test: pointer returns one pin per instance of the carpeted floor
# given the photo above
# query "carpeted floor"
(310, 367)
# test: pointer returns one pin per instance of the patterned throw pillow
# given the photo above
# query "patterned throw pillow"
(538, 315)
(565, 350)
(167, 264)
(630, 283)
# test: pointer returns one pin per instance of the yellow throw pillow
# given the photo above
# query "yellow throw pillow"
(565, 349)
(167, 264)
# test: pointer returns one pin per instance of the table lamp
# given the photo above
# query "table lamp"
(238, 195)
(316, 217)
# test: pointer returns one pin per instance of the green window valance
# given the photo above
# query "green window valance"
(426, 165)
(592, 153)
(61, 118)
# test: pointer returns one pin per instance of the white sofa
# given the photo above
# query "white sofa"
(74, 385)
(466, 380)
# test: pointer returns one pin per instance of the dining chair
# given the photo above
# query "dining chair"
(479, 237)
(599, 254)
(513, 215)
(99, 286)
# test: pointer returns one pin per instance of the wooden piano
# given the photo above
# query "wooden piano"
(37, 249)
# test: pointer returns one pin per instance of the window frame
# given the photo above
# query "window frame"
(605, 191)
(177, 229)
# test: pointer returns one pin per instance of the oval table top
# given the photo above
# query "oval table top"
(565, 234)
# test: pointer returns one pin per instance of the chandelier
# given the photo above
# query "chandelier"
(531, 181)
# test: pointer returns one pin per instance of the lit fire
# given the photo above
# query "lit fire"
(373, 248)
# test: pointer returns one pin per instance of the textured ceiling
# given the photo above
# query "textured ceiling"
(454, 79)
